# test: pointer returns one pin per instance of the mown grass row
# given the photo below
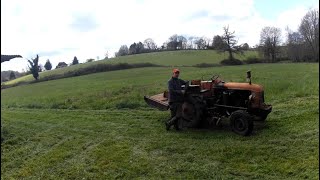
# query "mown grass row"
(108, 144)
(97, 126)
(126, 88)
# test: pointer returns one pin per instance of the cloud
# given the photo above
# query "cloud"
(59, 30)
(84, 23)
(198, 14)
(221, 18)
(49, 53)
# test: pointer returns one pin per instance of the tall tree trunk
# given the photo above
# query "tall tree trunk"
(230, 54)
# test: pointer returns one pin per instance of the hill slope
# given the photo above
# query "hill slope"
(183, 57)
(167, 58)
(105, 90)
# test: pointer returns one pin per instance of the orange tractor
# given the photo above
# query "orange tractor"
(208, 102)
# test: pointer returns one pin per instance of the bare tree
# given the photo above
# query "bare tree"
(309, 29)
(208, 42)
(201, 42)
(164, 46)
(41, 68)
(190, 42)
(106, 55)
(150, 44)
(182, 42)
(295, 45)
(230, 43)
(123, 51)
(270, 42)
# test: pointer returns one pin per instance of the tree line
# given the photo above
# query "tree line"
(174, 42)
(34, 68)
(301, 45)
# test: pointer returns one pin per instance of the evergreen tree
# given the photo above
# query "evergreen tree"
(34, 67)
(48, 65)
(12, 75)
(75, 61)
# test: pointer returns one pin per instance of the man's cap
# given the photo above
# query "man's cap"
(175, 70)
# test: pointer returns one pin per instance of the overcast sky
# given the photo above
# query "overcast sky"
(59, 30)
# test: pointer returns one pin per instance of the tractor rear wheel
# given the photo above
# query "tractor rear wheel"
(241, 123)
(263, 117)
(190, 115)
(192, 112)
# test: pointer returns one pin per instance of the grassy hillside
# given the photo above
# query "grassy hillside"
(178, 58)
(98, 127)
(111, 89)
(168, 58)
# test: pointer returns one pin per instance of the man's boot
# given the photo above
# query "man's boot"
(176, 124)
(171, 122)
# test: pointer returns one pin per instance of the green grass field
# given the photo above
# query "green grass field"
(98, 127)
(168, 58)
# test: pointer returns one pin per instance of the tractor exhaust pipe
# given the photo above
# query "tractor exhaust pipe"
(249, 77)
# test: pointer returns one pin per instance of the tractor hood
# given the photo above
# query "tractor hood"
(243, 86)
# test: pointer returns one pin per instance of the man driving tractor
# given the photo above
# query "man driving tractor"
(205, 103)
(176, 98)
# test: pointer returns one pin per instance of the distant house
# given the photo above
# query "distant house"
(61, 65)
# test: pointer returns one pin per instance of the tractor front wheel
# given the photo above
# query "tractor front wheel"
(241, 123)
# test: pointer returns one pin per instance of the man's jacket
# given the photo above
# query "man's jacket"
(174, 87)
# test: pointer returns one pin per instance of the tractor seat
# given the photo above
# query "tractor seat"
(204, 90)
(220, 84)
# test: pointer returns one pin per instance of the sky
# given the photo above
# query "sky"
(58, 30)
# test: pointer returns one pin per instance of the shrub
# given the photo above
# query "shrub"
(231, 62)
(106, 67)
(282, 59)
(204, 65)
(89, 60)
(252, 60)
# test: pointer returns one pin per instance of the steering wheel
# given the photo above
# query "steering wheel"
(214, 77)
